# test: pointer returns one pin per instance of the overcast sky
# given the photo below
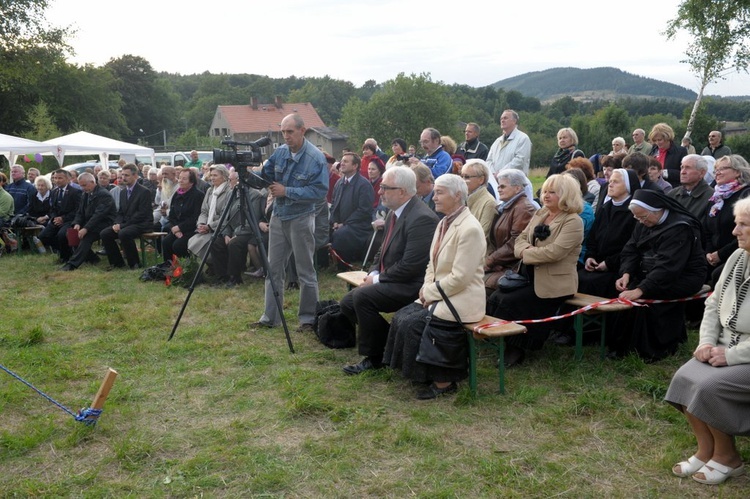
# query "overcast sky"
(475, 43)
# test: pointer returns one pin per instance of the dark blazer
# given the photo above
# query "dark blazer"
(406, 253)
(184, 209)
(137, 210)
(353, 204)
(67, 207)
(96, 211)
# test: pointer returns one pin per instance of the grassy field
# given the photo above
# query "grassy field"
(223, 410)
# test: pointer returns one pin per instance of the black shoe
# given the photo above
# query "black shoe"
(514, 356)
(433, 392)
(258, 324)
(67, 267)
(564, 339)
(135, 267)
(93, 260)
(233, 282)
(305, 328)
(114, 267)
(366, 364)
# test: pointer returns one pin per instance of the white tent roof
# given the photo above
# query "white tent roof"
(11, 147)
(84, 143)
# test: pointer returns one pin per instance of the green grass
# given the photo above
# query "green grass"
(226, 411)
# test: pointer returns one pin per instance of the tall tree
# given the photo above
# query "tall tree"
(29, 49)
(719, 31)
(403, 108)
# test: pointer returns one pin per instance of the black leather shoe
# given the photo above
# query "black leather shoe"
(67, 267)
(365, 364)
(433, 392)
(514, 356)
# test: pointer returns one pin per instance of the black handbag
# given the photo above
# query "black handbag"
(332, 327)
(513, 280)
(443, 343)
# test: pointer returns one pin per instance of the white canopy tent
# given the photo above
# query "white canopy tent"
(11, 147)
(84, 143)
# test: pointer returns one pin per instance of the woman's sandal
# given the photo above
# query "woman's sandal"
(687, 468)
(715, 473)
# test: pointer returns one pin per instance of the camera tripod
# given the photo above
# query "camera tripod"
(241, 192)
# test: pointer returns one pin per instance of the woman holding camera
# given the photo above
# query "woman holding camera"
(548, 248)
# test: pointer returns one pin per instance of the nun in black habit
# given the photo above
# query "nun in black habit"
(612, 229)
(663, 259)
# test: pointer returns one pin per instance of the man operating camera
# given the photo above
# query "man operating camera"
(298, 173)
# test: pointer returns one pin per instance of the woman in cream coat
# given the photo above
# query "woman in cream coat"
(457, 262)
(713, 388)
(548, 247)
(213, 206)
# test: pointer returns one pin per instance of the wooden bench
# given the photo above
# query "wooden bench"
(352, 278)
(493, 337)
(149, 239)
(595, 316)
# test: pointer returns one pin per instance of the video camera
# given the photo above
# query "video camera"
(243, 160)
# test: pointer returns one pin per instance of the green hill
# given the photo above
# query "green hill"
(592, 84)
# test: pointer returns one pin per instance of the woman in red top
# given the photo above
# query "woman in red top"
(667, 152)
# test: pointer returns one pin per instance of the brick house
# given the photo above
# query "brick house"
(248, 123)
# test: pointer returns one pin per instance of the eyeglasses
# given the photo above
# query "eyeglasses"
(467, 177)
(642, 218)
(384, 187)
(718, 170)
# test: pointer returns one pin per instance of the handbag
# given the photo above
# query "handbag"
(513, 280)
(443, 343)
(332, 327)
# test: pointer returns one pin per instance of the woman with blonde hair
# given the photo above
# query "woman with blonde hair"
(548, 248)
(667, 152)
(567, 142)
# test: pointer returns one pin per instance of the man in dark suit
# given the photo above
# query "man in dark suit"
(398, 271)
(351, 210)
(95, 213)
(134, 217)
(63, 209)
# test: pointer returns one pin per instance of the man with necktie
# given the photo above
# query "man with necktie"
(134, 217)
(65, 202)
(397, 272)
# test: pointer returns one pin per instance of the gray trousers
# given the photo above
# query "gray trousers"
(297, 237)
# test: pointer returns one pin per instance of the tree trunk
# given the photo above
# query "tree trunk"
(697, 104)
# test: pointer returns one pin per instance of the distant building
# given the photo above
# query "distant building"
(248, 123)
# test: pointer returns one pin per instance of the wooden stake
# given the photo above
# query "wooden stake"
(103, 393)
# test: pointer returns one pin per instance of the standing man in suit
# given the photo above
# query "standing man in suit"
(398, 270)
(95, 213)
(351, 210)
(63, 209)
(134, 217)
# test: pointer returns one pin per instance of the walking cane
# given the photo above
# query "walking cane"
(367, 255)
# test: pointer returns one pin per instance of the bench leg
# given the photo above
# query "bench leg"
(578, 326)
(143, 253)
(472, 365)
(501, 363)
(602, 339)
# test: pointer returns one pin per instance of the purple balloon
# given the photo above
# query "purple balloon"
(38, 157)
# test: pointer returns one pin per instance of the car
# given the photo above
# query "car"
(89, 165)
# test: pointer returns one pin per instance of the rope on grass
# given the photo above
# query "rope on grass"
(88, 416)
(633, 303)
